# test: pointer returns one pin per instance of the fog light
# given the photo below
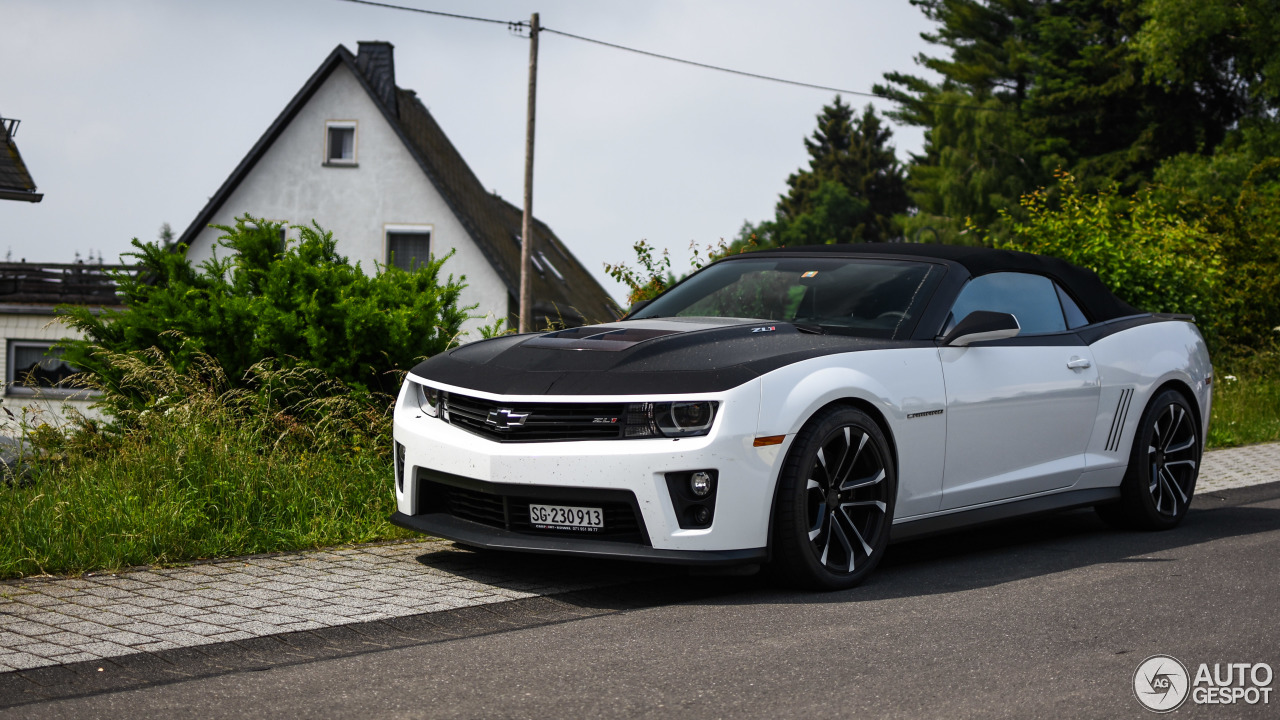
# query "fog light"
(702, 515)
(700, 484)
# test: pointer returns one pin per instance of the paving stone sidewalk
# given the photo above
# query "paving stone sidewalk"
(55, 621)
(1239, 467)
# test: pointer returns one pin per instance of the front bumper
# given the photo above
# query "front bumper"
(476, 535)
(625, 473)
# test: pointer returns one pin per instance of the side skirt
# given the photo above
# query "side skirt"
(938, 524)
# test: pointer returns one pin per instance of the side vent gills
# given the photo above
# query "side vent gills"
(1117, 422)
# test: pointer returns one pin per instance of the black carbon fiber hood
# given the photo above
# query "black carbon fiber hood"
(637, 357)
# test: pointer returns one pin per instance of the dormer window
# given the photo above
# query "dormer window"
(340, 142)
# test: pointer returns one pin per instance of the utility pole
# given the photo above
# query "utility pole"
(526, 231)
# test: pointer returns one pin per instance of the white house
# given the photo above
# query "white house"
(366, 160)
(32, 367)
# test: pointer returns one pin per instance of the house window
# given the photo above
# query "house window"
(34, 365)
(340, 142)
(284, 234)
(408, 247)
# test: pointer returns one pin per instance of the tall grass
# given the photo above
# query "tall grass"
(1246, 401)
(191, 467)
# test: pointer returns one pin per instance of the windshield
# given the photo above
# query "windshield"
(875, 298)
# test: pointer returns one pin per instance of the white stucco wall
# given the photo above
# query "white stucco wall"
(35, 410)
(387, 187)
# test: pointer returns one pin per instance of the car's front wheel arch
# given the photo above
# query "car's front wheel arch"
(856, 403)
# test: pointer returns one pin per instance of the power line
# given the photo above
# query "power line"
(731, 71)
(434, 12)
(522, 25)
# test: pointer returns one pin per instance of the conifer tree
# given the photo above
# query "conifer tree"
(1028, 87)
(854, 154)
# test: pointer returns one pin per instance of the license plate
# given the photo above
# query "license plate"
(559, 517)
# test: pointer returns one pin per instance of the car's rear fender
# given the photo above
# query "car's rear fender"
(1134, 366)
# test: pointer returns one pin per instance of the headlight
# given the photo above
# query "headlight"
(428, 399)
(670, 419)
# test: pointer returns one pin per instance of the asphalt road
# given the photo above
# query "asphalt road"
(1045, 618)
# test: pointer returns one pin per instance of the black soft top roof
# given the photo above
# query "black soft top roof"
(1088, 290)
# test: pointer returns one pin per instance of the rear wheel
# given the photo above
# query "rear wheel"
(835, 502)
(1165, 461)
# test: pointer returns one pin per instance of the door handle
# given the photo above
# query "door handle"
(1078, 363)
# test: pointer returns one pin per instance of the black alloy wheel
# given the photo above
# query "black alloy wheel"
(1161, 479)
(835, 502)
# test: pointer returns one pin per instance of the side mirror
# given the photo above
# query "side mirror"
(982, 325)
(637, 307)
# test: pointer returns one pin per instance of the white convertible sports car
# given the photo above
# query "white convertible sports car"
(803, 407)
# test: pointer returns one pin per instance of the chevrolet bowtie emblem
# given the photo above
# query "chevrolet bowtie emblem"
(505, 418)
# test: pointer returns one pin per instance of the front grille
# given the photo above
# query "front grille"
(534, 422)
(507, 507)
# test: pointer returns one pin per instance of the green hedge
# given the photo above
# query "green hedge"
(299, 302)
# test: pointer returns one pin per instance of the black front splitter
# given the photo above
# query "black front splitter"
(476, 534)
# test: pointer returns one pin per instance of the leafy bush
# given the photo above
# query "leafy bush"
(652, 275)
(649, 279)
(1239, 200)
(1250, 312)
(1153, 258)
(301, 304)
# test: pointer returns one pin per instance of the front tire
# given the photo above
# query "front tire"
(835, 501)
(1163, 466)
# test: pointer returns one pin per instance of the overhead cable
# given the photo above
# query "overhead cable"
(524, 26)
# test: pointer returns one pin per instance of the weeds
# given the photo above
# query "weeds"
(191, 467)
(1246, 401)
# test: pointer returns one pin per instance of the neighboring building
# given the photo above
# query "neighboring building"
(32, 368)
(15, 179)
(366, 160)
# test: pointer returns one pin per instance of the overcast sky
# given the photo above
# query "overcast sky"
(135, 111)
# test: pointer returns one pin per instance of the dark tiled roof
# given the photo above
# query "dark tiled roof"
(15, 180)
(495, 224)
(564, 291)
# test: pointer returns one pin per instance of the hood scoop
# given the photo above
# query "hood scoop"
(591, 338)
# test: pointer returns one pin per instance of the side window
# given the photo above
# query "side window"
(284, 233)
(1075, 318)
(340, 142)
(1032, 299)
(408, 247)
